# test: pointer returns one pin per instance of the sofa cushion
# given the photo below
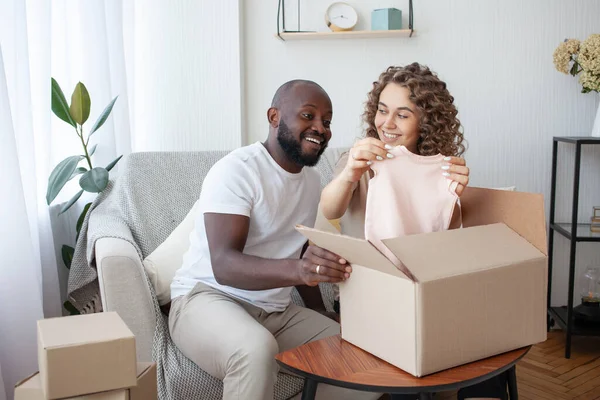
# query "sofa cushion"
(166, 259)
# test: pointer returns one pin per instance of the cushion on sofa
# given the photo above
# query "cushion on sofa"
(166, 259)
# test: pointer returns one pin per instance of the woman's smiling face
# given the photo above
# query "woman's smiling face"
(397, 121)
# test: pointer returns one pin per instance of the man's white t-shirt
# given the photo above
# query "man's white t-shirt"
(249, 182)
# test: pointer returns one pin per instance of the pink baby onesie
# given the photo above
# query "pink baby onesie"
(408, 195)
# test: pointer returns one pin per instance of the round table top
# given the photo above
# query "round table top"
(334, 361)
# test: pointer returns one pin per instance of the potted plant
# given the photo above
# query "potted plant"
(91, 179)
(583, 59)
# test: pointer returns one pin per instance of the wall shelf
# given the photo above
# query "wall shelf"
(285, 35)
(345, 35)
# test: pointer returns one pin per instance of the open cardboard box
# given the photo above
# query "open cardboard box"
(476, 291)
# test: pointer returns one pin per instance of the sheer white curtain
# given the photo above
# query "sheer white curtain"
(20, 274)
(71, 41)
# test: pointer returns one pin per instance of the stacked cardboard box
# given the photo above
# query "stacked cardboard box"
(89, 357)
(595, 225)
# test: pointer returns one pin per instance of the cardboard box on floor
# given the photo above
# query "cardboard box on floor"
(478, 291)
(84, 354)
(145, 389)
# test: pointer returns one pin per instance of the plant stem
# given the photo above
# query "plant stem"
(87, 156)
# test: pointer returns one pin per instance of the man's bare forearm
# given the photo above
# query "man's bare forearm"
(247, 272)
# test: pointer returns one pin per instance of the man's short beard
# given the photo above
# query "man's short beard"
(293, 148)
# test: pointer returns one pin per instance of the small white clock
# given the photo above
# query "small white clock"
(341, 16)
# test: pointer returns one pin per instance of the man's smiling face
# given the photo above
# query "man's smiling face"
(304, 124)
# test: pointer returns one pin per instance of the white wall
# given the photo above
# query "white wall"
(496, 57)
(186, 75)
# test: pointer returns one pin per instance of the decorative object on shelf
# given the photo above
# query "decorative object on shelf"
(589, 309)
(595, 221)
(583, 59)
(343, 31)
(386, 19)
(341, 17)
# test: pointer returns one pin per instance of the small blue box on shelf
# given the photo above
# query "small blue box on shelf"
(384, 19)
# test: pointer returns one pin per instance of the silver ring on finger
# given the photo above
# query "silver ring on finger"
(353, 156)
(318, 269)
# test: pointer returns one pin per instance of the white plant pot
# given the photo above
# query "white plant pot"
(596, 127)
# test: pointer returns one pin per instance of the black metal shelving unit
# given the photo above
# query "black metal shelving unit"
(574, 232)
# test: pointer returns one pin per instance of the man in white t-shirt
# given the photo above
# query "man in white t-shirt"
(231, 309)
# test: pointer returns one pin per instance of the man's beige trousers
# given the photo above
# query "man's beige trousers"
(237, 342)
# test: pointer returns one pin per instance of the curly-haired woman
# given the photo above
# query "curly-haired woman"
(411, 107)
(408, 106)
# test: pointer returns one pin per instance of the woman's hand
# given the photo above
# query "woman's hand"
(362, 155)
(455, 168)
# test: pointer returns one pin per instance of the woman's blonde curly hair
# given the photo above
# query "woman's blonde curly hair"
(439, 129)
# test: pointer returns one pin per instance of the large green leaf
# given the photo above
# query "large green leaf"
(60, 175)
(95, 180)
(70, 203)
(92, 150)
(60, 107)
(113, 163)
(102, 118)
(67, 255)
(78, 171)
(80, 219)
(80, 104)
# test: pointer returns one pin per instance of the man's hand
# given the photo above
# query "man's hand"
(320, 265)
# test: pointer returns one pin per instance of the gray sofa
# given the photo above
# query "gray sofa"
(124, 287)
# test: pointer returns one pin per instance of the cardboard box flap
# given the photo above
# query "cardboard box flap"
(522, 212)
(82, 329)
(355, 251)
(438, 255)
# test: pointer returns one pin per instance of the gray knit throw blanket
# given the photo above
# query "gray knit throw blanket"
(152, 195)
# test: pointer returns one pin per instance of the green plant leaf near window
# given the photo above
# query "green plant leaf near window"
(81, 219)
(93, 149)
(102, 118)
(80, 104)
(61, 175)
(67, 255)
(93, 179)
(78, 171)
(71, 308)
(113, 163)
(60, 107)
(70, 203)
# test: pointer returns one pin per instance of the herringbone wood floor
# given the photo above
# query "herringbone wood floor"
(545, 373)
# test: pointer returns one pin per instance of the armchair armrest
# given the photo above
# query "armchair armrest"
(124, 289)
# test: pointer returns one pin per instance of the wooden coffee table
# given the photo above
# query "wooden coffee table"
(336, 362)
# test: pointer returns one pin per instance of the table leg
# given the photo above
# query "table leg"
(310, 389)
(513, 393)
(425, 396)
